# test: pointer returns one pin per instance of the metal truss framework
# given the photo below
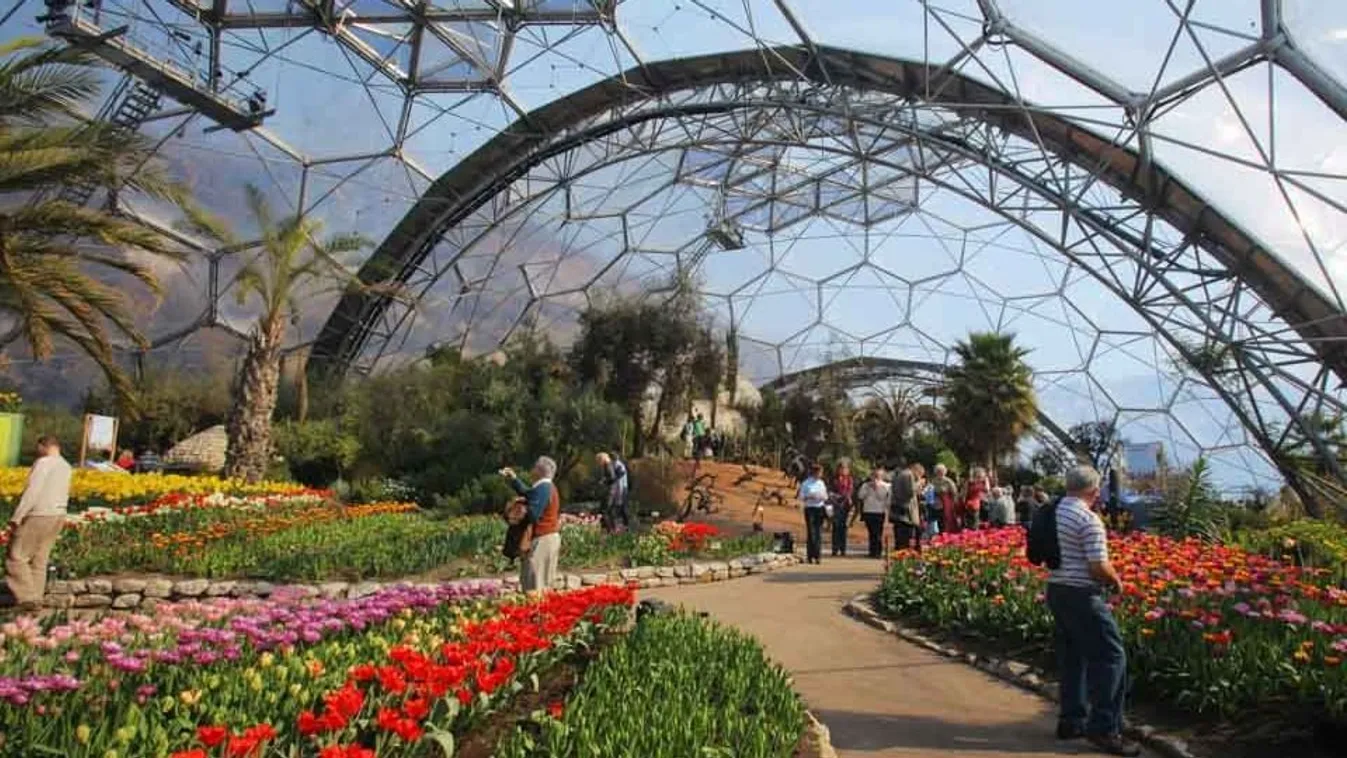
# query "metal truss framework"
(778, 141)
(870, 372)
(1194, 277)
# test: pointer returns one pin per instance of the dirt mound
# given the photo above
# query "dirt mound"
(739, 489)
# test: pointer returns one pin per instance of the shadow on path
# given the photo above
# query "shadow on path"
(874, 732)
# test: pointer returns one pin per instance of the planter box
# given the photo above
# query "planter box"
(11, 438)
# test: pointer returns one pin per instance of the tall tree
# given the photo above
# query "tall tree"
(291, 263)
(708, 369)
(634, 347)
(59, 262)
(989, 397)
(886, 421)
(1097, 440)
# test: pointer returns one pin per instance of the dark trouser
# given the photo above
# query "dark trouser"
(973, 518)
(906, 536)
(813, 530)
(874, 527)
(840, 515)
(1090, 659)
(615, 511)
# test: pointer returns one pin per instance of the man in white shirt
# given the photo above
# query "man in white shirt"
(874, 497)
(36, 524)
(1091, 661)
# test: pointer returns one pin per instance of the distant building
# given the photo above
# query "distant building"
(1142, 460)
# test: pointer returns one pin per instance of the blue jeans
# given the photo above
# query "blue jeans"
(1090, 659)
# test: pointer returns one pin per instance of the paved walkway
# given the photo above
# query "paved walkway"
(879, 695)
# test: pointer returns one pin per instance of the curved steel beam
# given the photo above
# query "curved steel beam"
(482, 175)
(868, 370)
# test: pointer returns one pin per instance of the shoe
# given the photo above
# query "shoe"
(1069, 731)
(1114, 744)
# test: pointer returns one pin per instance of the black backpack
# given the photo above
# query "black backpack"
(1042, 548)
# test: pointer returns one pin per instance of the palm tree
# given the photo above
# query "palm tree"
(291, 263)
(885, 421)
(989, 397)
(55, 256)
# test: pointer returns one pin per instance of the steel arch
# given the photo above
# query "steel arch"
(1202, 286)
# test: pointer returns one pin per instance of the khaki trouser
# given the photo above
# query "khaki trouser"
(539, 569)
(26, 559)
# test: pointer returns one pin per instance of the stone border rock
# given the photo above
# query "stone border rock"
(818, 740)
(1020, 674)
(101, 593)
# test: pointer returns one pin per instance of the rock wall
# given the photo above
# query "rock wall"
(99, 593)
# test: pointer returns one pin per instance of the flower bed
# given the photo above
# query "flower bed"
(1213, 630)
(279, 539)
(302, 537)
(1310, 543)
(676, 686)
(395, 672)
(91, 488)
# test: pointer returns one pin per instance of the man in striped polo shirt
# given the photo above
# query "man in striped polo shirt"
(1090, 656)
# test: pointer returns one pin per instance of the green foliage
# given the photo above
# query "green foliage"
(676, 686)
(627, 346)
(294, 262)
(172, 404)
(887, 422)
(40, 419)
(458, 419)
(379, 490)
(1053, 485)
(486, 493)
(989, 397)
(950, 461)
(1192, 508)
(316, 452)
(67, 272)
(1308, 542)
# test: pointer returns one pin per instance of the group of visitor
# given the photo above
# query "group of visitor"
(918, 507)
(701, 440)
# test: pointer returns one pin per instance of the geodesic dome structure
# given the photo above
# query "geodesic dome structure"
(1150, 195)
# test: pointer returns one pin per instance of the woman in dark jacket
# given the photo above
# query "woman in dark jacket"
(843, 488)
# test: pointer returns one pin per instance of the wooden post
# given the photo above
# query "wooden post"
(84, 440)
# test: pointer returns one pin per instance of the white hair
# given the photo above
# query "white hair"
(546, 466)
(1082, 479)
(940, 469)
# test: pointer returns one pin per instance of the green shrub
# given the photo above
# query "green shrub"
(1192, 509)
(1310, 543)
(316, 452)
(41, 419)
(676, 686)
(380, 490)
(485, 494)
(951, 462)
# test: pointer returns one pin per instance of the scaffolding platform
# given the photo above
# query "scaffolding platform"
(181, 85)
